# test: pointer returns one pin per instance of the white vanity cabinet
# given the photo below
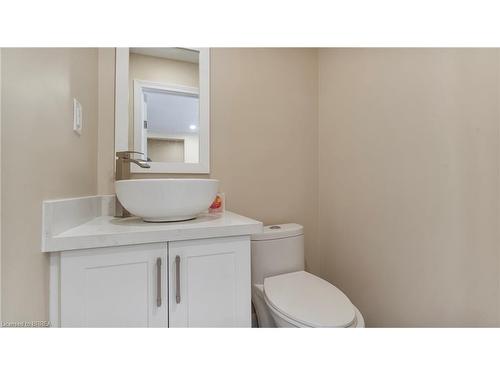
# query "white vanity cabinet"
(124, 272)
(114, 287)
(195, 283)
(209, 283)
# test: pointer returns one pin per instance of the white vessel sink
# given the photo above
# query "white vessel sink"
(166, 199)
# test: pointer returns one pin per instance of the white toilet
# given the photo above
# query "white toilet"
(284, 295)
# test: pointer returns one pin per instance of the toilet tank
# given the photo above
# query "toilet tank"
(276, 250)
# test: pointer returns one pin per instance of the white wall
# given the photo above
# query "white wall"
(191, 148)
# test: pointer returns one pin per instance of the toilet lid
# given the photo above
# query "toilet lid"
(310, 300)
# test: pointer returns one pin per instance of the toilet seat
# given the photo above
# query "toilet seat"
(308, 301)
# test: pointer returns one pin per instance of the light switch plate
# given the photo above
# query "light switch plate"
(77, 117)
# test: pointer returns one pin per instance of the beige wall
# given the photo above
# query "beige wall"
(264, 135)
(264, 146)
(166, 150)
(408, 178)
(106, 121)
(158, 69)
(407, 175)
(0, 184)
(41, 158)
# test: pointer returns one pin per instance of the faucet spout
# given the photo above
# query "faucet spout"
(123, 160)
(140, 163)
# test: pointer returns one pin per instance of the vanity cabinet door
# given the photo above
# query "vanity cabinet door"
(209, 282)
(114, 287)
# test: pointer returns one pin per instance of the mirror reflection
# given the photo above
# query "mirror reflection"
(165, 98)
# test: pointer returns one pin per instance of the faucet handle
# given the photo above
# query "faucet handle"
(126, 154)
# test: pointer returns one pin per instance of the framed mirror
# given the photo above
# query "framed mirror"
(162, 107)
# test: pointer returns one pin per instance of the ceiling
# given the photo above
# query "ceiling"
(171, 113)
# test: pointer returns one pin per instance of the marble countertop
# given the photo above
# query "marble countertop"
(96, 228)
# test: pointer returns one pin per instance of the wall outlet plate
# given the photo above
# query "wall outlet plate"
(77, 117)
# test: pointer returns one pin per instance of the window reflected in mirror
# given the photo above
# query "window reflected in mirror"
(165, 98)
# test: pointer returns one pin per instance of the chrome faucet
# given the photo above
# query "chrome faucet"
(123, 160)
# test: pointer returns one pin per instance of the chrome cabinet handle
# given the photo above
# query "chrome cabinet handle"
(158, 282)
(178, 279)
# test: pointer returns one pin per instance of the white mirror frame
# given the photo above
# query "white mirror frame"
(122, 117)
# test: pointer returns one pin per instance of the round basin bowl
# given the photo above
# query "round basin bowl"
(166, 199)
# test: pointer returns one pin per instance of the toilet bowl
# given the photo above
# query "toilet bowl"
(284, 294)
